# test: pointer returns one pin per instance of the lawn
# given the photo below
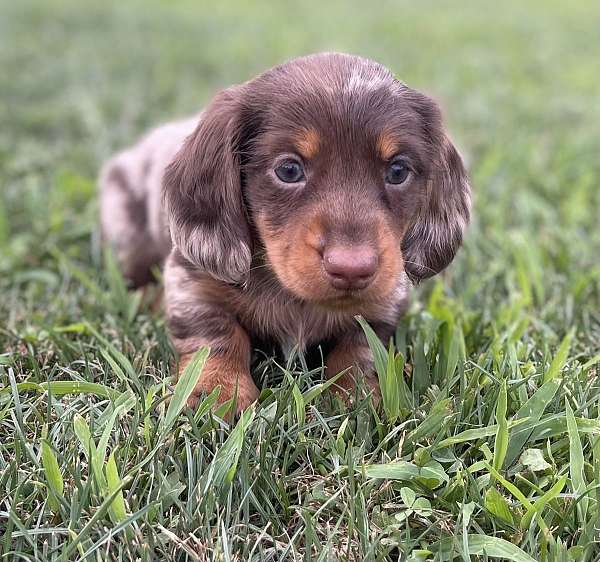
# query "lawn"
(489, 445)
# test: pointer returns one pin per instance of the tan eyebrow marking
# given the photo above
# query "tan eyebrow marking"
(387, 145)
(308, 143)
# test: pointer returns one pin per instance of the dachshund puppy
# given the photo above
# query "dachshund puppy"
(319, 190)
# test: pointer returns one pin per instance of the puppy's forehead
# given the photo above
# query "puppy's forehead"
(329, 81)
(335, 102)
(337, 71)
(339, 74)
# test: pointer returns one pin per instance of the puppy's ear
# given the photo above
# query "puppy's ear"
(203, 196)
(437, 231)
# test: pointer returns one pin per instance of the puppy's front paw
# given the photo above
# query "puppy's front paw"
(233, 381)
(346, 386)
(246, 397)
(372, 382)
(358, 366)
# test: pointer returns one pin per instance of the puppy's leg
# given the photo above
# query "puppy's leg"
(227, 368)
(198, 316)
(352, 354)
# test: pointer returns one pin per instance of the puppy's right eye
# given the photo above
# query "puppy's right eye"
(290, 171)
(397, 172)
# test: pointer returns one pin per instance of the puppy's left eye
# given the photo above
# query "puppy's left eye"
(290, 171)
(397, 172)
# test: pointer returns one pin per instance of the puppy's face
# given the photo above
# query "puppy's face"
(338, 175)
(333, 183)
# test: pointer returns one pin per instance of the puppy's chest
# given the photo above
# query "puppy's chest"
(290, 323)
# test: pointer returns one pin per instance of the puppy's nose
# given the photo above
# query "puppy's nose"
(350, 268)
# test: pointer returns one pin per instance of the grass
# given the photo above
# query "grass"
(488, 446)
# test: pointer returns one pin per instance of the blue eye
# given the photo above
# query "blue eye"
(397, 172)
(290, 171)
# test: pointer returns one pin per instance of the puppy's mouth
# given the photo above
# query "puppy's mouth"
(345, 301)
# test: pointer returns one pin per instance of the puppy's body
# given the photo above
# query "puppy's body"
(294, 202)
(132, 213)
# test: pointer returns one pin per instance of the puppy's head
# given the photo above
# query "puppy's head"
(339, 174)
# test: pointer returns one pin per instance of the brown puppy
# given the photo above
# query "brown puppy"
(317, 191)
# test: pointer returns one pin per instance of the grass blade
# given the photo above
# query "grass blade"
(390, 373)
(87, 528)
(185, 386)
(115, 490)
(54, 477)
(479, 433)
(576, 463)
(482, 545)
(224, 464)
(560, 358)
(496, 504)
(299, 404)
(541, 502)
(533, 410)
(501, 441)
(60, 388)
(518, 495)
(98, 458)
(380, 354)
(432, 424)
(314, 391)
(405, 471)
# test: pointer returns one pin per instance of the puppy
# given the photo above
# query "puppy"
(322, 189)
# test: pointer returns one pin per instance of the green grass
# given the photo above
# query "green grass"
(491, 430)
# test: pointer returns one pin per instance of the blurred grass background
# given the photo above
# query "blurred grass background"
(520, 86)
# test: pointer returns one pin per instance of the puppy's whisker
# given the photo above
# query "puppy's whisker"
(420, 265)
(262, 266)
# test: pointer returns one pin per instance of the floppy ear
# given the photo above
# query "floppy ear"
(437, 231)
(203, 196)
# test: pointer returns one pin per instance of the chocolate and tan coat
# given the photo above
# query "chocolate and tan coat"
(248, 254)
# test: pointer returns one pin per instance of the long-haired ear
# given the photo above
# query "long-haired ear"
(437, 232)
(203, 196)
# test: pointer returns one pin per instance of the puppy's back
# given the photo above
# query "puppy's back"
(131, 215)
